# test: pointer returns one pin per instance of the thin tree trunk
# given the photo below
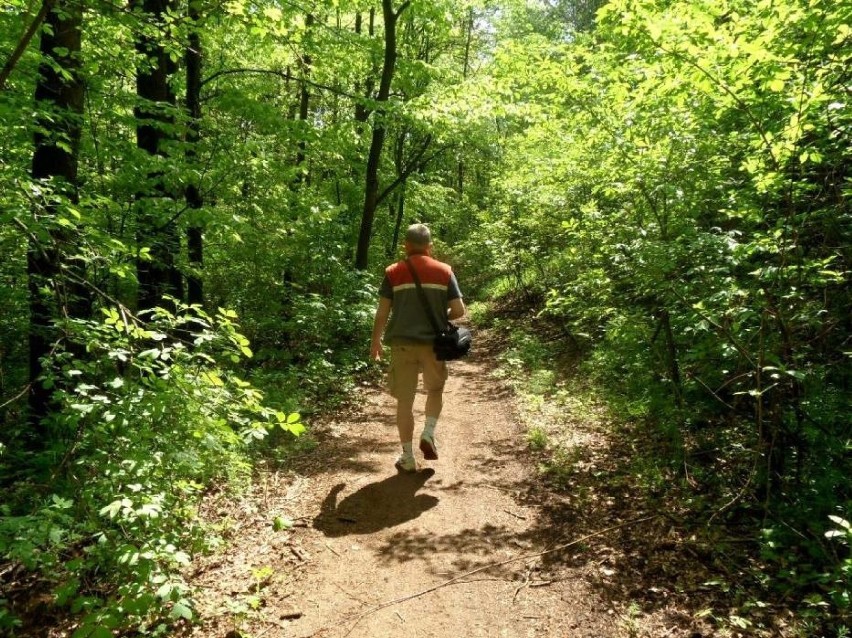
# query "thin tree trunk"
(671, 351)
(371, 192)
(400, 212)
(362, 111)
(304, 103)
(465, 70)
(59, 108)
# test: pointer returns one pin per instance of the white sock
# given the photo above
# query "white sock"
(429, 429)
(407, 450)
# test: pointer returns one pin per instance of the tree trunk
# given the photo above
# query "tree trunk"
(371, 192)
(671, 352)
(465, 70)
(304, 105)
(158, 276)
(362, 111)
(59, 108)
(400, 212)
(194, 200)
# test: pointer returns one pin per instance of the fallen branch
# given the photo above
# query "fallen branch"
(478, 570)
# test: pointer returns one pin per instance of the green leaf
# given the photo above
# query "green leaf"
(92, 631)
(273, 13)
(281, 523)
(181, 610)
(776, 85)
(841, 521)
(296, 429)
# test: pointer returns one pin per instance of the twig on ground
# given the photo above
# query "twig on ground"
(515, 559)
(523, 584)
(299, 553)
(8, 569)
(349, 594)
(523, 518)
(543, 583)
(272, 624)
(499, 489)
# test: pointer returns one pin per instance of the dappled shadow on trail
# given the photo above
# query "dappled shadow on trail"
(635, 545)
(376, 506)
(467, 549)
(348, 441)
(589, 515)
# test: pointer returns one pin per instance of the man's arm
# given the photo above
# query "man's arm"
(455, 302)
(457, 308)
(379, 323)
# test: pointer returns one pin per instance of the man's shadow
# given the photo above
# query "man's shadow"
(375, 506)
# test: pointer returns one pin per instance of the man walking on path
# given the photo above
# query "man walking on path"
(410, 335)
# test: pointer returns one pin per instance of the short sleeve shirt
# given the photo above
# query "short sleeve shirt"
(408, 321)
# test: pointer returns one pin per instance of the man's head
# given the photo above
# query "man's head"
(418, 240)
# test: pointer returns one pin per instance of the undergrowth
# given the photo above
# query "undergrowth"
(776, 564)
(155, 415)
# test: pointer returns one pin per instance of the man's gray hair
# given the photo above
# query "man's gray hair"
(419, 235)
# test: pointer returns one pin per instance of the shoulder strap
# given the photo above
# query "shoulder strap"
(426, 308)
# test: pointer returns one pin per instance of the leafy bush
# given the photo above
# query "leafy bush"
(152, 417)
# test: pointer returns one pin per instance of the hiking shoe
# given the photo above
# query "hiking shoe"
(428, 447)
(405, 464)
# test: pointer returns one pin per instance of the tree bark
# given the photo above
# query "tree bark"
(304, 104)
(157, 276)
(194, 200)
(371, 192)
(362, 111)
(465, 70)
(59, 108)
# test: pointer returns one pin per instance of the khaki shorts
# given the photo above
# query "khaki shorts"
(407, 362)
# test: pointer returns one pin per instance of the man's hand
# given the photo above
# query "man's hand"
(376, 352)
(456, 309)
(382, 314)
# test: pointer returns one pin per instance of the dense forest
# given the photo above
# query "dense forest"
(197, 201)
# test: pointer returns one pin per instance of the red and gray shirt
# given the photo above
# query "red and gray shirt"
(408, 320)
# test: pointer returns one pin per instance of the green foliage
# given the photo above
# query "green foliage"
(537, 439)
(667, 193)
(799, 567)
(149, 418)
(672, 192)
(150, 411)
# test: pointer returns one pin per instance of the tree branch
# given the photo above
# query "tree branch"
(408, 170)
(402, 8)
(284, 75)
(412, 166)
(46, 7)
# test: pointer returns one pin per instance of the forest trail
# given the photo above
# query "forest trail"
(368, 544)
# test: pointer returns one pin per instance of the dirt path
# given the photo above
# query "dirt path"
(366, 538)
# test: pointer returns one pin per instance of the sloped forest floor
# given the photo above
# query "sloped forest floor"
(482, 542)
